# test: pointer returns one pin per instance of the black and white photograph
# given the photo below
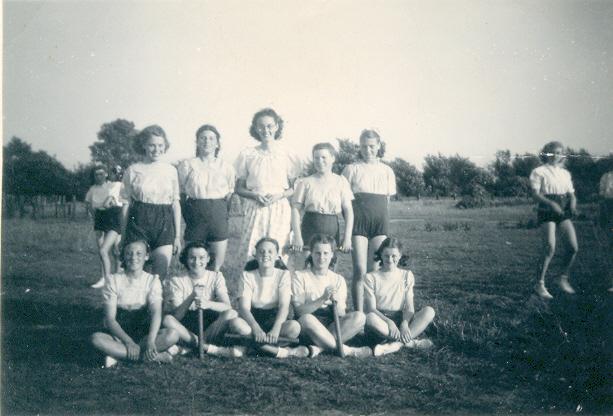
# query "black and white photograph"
(317, 207)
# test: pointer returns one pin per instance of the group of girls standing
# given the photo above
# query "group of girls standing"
(155, 195)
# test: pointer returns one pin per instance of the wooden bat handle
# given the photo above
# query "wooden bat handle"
(250, 338)
(201, 333)
(337, 327)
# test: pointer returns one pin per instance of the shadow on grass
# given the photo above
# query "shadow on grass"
(565, 352)
(43, 332)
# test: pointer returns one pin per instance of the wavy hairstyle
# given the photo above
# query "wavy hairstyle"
(262, 113)
(322, 239)
(372, 134)
(209, 127)
(141, 139)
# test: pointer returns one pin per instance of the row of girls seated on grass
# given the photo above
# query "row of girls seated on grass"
(274, 201)
(135, 302)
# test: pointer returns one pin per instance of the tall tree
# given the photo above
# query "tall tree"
(409, 180)
(114, 145)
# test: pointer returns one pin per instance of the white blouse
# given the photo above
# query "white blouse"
(307, 287)
(551, 180)
(132, 294)
(389, 291)
(268, 171)
(372, 178)
(265, 291)
(324, 196)
(98, 195)
(606, 185)
(152, 183)
(179, 288)
(203, 179)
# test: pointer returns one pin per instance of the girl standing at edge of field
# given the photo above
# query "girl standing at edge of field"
(372, 183)
(132, 300)
(265, 177)
(552, 189)
(150, 192)
(199, 289)
(605, 192)
(390, 310)
(206, 184)
(265, 295)
(103, 204)
(313, 291)
(322, 196)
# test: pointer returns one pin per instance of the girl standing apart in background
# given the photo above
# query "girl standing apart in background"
(150, 192)
(553, 190)
(372, 183)
(322, 196)
(266, 174)
(606, 215)
(207, 182)
(102, 204)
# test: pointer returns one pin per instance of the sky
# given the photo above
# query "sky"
(459, 76)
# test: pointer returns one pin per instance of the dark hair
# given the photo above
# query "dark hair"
(117, 173)
(372, 134)
(141, 139)
(321, 239)
(209, 127)
(547, 150)
(122, 259)
(97, 168)
(325, 146)
(253, 263)
(262, 113)
(192, 245)
(389, 242)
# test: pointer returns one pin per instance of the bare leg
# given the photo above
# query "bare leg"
(218, 249)
(548, 232)
(377, 325)
(184, 334)
(317, 332)
(568, 229)
(166, 338)
(359, 255)
(160, 260)
(99, 235)
(108, 241)
(109, 345)
(421, 320)
(352, 323)
(219, 327)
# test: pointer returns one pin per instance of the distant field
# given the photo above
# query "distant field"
(498, 348)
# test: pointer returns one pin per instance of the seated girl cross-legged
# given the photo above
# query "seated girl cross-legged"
(314, 289)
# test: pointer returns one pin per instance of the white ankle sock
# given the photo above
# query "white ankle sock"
(282, 353)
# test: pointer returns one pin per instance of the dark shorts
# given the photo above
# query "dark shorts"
(265, 317)
(370, 215)
(190, 320)
(150, 222)
(395, 316)
(316, 223)
(324, 315)
(544, 213)
(108, 219)
(205, 220)
(134, 323)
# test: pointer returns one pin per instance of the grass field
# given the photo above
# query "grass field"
(498, 348)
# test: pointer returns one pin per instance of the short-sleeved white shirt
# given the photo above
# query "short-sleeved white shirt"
(179, 288)
(372, 178)
(308, 287)
(132, 294)
(389, 290)
(152, 183)
(265, 291)
(606, 185)
(97, 194)
(267, 171)
(204, 179)
(551, 180)
(322, 195)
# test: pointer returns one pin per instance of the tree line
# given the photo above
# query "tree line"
(29, 173)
